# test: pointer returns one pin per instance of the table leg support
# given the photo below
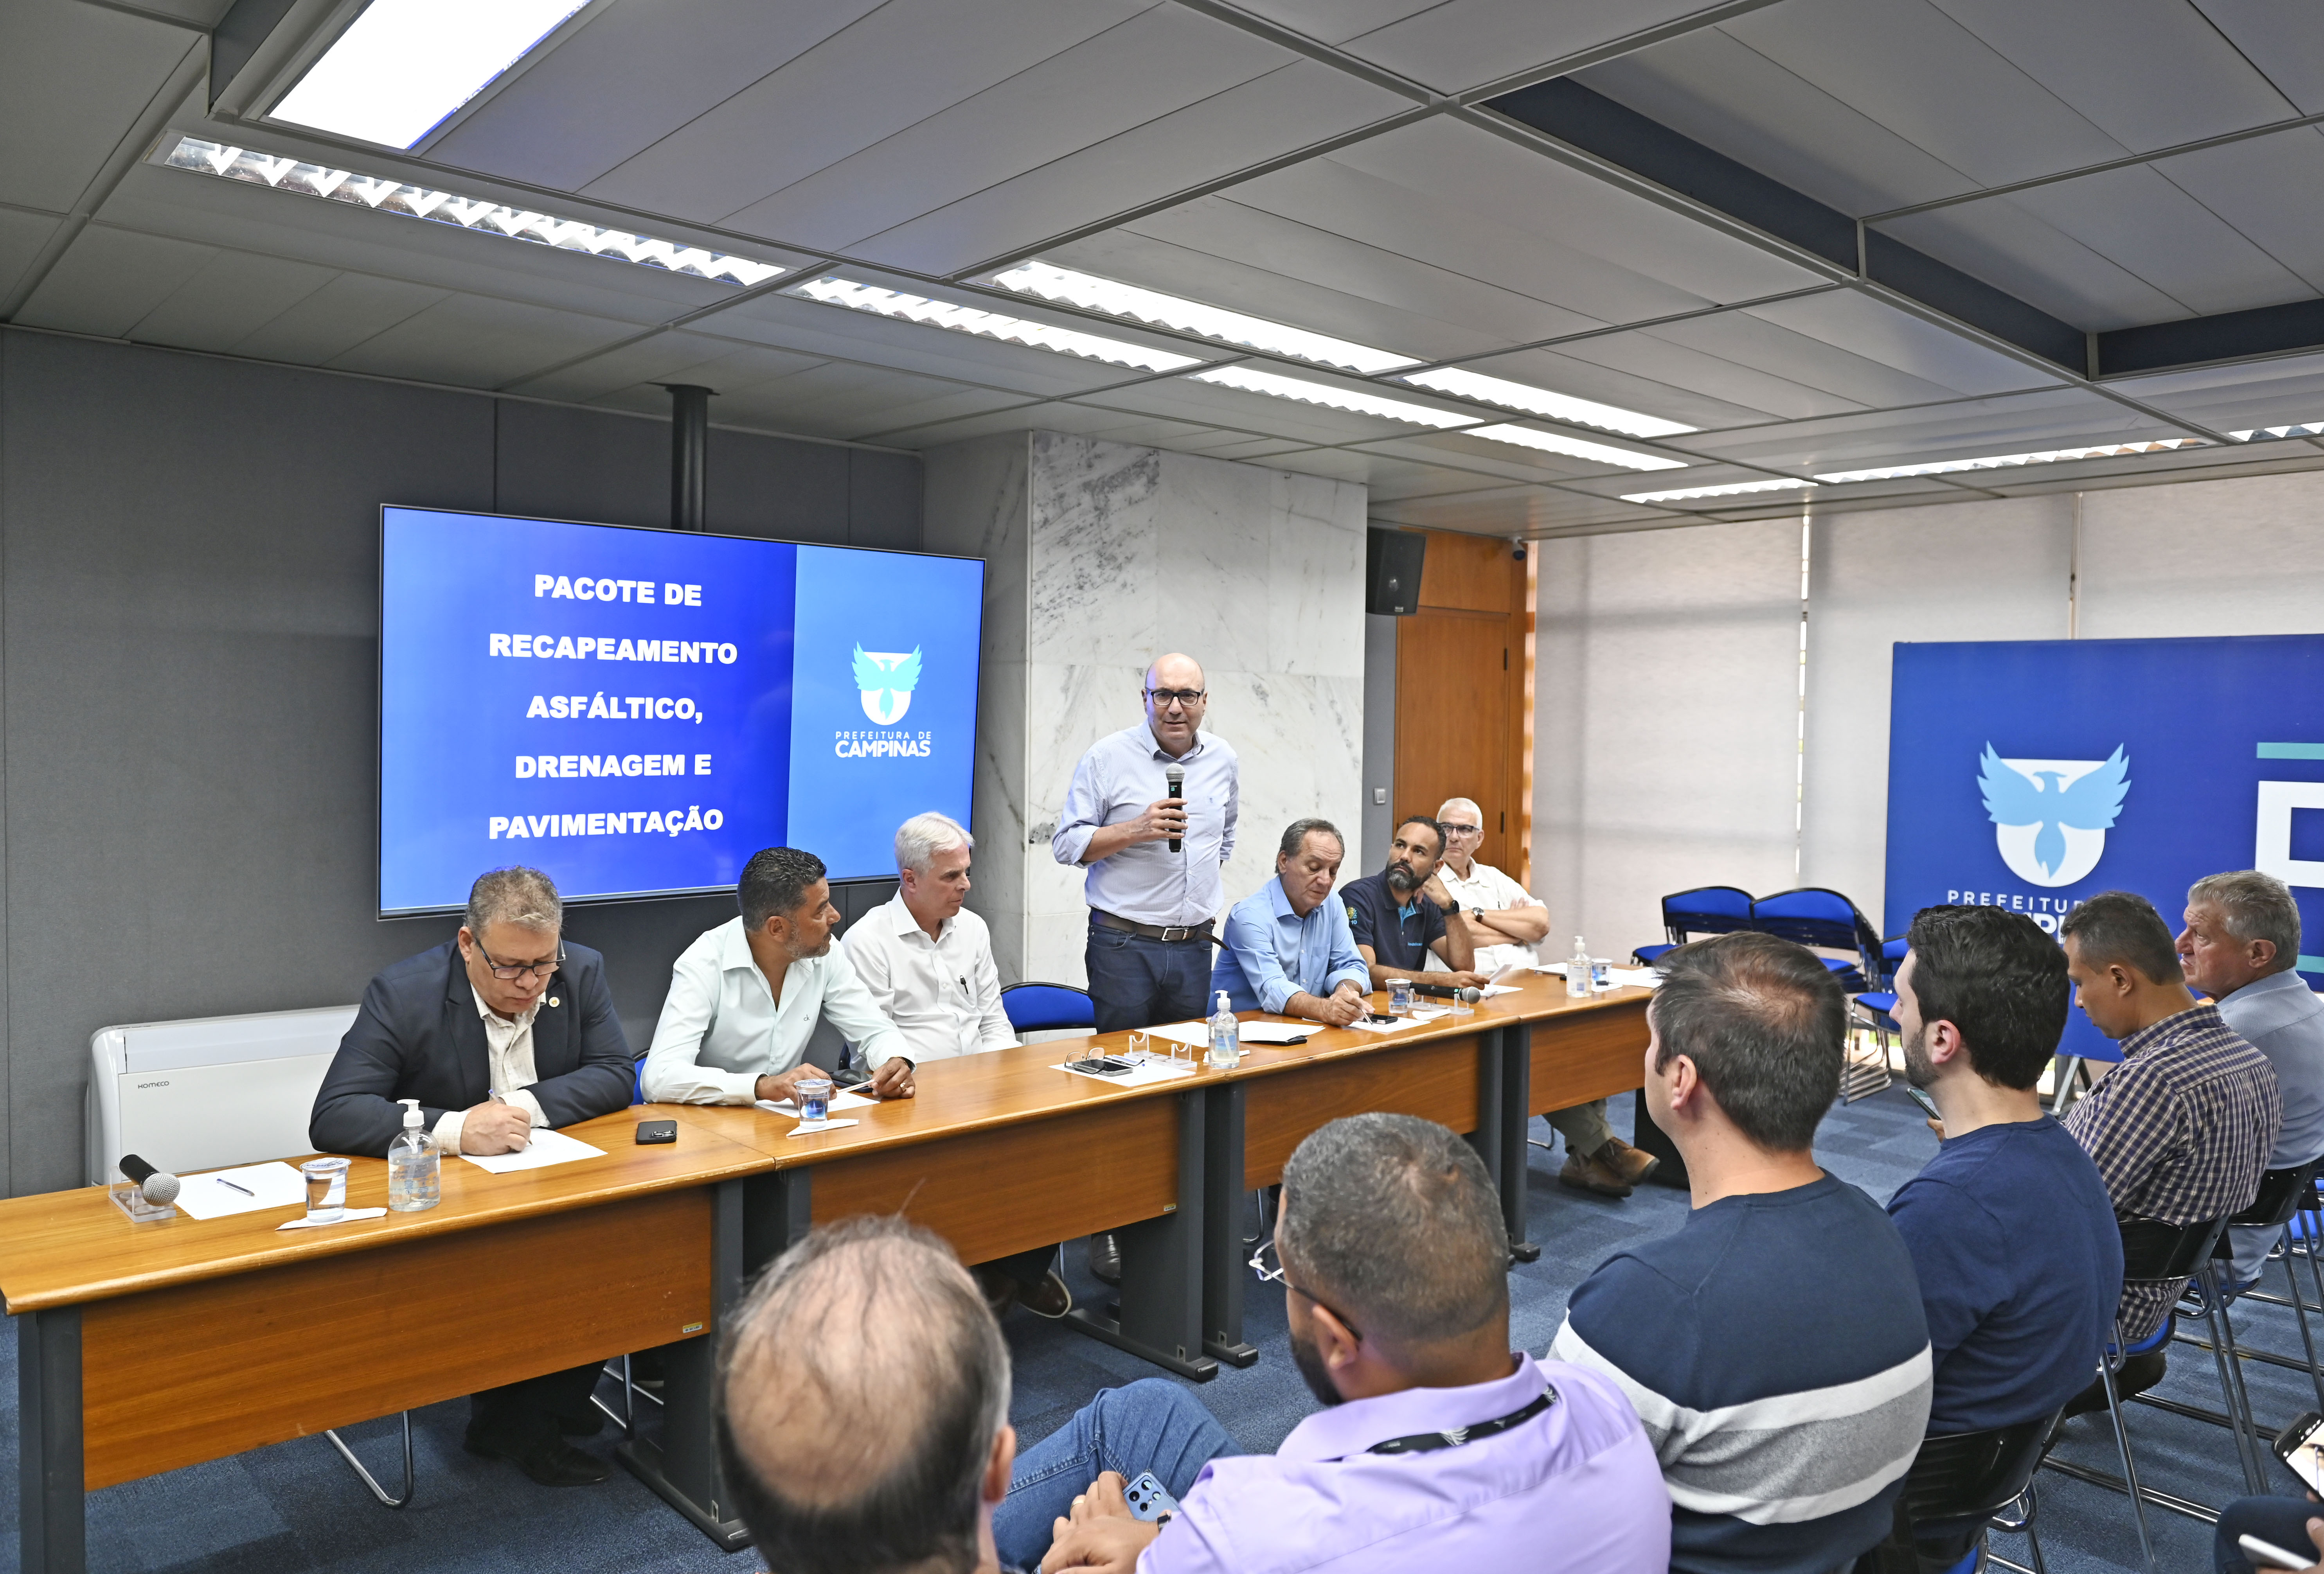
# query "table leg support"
(1223, 1213)
(52, 1524)
(1486, 1138)
(749, 1216)
(1162, 1279)
(1517, 1101)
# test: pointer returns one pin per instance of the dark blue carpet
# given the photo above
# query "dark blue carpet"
(295, 1507)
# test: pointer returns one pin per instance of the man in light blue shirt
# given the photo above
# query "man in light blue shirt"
(1152, 906)
(1288, 948)
(2241, 947)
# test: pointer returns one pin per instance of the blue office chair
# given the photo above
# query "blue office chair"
(1036, 1008)
(638, 1081)
(1825, 920)
(1704, 910)
(1880, 1005)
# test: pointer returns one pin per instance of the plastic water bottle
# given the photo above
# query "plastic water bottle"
(1577, 970)
(415, 1165)
(1226, 1037)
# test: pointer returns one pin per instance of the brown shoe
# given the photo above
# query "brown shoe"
(1050, 1299)
(1629, 1163)
(1589, 1174)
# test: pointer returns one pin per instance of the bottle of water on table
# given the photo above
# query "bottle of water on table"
(1577, 970)
(1226, 1037)
(415, 1165)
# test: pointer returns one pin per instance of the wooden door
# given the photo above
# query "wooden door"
(1464, 694)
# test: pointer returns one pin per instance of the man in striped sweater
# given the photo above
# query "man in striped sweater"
(1775, 1347)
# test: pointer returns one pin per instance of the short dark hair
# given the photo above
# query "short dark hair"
(1997, 978)
(1294, 836)
(1393, 1223)
(1765, 1022)
(775, 882)
(1435, 826)
(873, 1329)
(2122, 926)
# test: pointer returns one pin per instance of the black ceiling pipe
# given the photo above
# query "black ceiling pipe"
(689, 454)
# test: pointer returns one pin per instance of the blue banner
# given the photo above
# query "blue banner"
(2033, 774)
(620, 707)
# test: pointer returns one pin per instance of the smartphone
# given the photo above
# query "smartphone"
(653, 1131)
(2300, 1446)
(1150, 1500)
(1923, 1100)
(1102, 1065)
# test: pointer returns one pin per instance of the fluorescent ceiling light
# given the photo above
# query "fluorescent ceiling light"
(1252, 380)
(2002, 461)
(405, 65)
(991, 324)
(476, 213)
(1091, 293)
(2297, 429)
(1573, 448)
(1541, 401)
(1686, 493)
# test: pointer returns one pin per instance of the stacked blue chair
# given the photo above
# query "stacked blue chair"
(1825, 920)
(1704, 910)
(1036, 1008)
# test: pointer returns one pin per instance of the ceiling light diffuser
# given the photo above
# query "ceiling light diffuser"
(1572, 448)
(1090, 293)
(405, 65)
(1541, 401)
(1252, 380)
(1688, 493)
(2297, 429)
(476, 213)
(991, 324)
(2002, 461)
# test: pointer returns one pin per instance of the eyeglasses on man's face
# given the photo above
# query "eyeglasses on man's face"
(1166, 697)
(509, 973)
(1453, 829)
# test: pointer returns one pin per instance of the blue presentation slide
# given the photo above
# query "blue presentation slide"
(637, 712)
(2032, 774)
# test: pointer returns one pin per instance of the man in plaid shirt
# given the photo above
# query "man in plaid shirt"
(2180, 1131)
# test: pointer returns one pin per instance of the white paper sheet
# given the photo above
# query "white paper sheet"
(1197, 1034)
(1145, 1072)
(347, 1216)
(277, 1185)
(1393, 1024)
(838, 1101)
(1277, 1032)
(1489, 990)
(804, 1129)
(548, 1147)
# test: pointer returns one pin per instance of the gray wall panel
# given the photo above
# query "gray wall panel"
(774, 487)
(558, 462)
(883, 500)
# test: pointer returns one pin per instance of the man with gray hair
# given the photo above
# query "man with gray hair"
(1288, 948)
(2241, 946)
(503, 1029)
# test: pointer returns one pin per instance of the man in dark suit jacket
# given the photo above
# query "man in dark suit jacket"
(496, 1032)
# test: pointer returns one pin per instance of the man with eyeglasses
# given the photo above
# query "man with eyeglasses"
(501, 1029)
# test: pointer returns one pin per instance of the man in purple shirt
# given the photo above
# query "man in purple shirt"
(1438, 1449)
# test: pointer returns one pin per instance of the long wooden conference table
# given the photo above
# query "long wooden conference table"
(144, 1347)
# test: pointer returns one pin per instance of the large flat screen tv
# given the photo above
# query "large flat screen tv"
(637, 712)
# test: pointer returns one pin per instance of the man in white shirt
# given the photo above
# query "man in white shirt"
(927, 965)
(745, 996)
(1505, 922)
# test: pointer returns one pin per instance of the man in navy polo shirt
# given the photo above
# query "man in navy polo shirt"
(1395, 927)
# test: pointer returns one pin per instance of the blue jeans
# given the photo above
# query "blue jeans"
(2281, 1520)
(1153, 1424)
(1137, 982)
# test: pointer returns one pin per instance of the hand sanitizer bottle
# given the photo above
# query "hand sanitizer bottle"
(1577, 970)
(1226, 1037)
(415, 1165)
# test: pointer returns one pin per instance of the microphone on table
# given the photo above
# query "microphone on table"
(1176, 777)
(1464, 993)
(158, 1186)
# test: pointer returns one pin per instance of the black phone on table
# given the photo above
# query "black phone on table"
(650, 1132)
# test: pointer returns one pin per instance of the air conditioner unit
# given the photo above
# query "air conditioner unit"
(204, 1094)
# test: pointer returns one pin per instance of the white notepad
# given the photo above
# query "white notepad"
(548, 1147)
(275, 1185)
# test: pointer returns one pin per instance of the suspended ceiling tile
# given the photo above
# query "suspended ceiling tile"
(1526, 511)
(1707, 475)
(109, 278)
(676, 357)
(1668, 389)
(2286, 383)
(629, 79)
(231, 298)
(1253, 414)
(1401, 480)
(902, 62)
(473, 341)
(73, 80)
(853, 403)
(1290, 108)
(1150, 65)
(1336, 21)
(2285, 41)
(346, 311)
(1713, 359)
(2136, 218)
(2133, 470)
(2245, 184)
(2260, 459)
(1466, 43)
(1056, 416)
(1960, 429)
(2010, 248)
(1502, 461)
(1862, 328)
(22, 236)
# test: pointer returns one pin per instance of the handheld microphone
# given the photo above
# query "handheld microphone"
(1176, 777)
(1465, 993)
(158, 1186)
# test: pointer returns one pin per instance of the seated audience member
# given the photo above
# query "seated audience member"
(1774, 1346)
(2290, 1523)
(927, 964)
(745, 997)
(1438, 1449)
(501, 1029)
(2182, 1129)
(1505, 923)
(1287, 946)
(2241, 947)
(2013, 1332)
(1395, 927)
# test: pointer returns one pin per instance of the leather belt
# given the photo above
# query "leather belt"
(1172, 933)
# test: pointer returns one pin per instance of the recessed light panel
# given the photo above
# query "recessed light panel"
(2297, 429)
(405, 65)
(1572, 448)
(476, 213)
(2006, 461)
(1541, 401)
(990, 324)
(1090, 293)
(1250, 380)
(1689, 493)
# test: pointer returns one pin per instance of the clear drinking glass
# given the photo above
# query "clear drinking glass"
(814, 1100)
(1399, 996)
(327, 1189)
